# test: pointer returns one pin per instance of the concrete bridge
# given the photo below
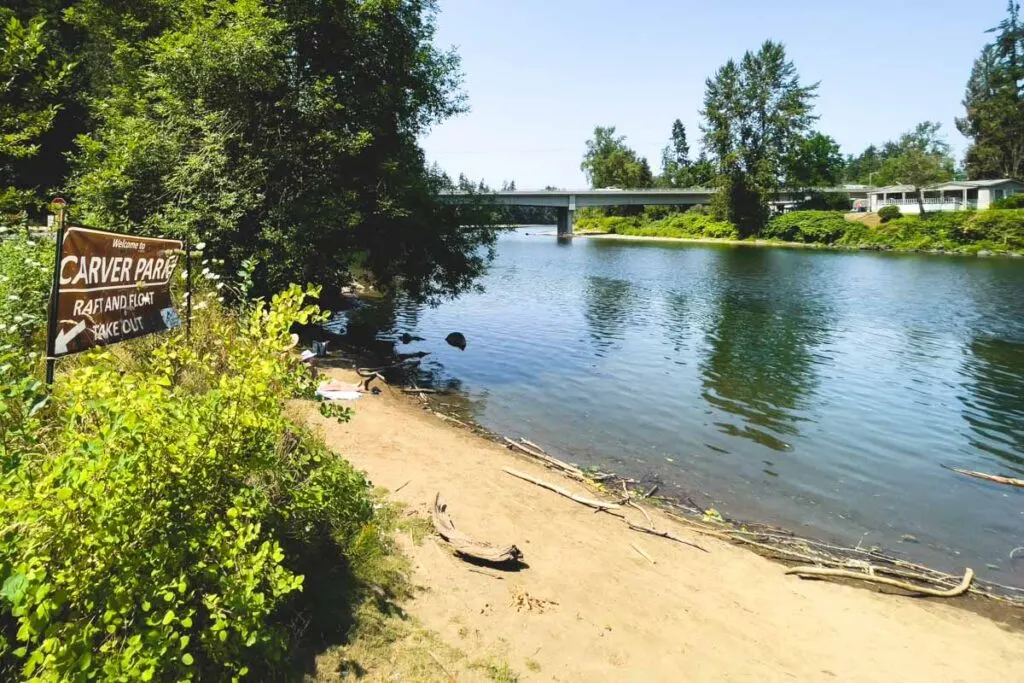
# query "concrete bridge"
(567, 201)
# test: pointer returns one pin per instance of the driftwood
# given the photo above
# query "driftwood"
(555, 463)
(420, 390)
(466, 546)
(998, 479)
(663, 534)
(650, 521)
(909, 587)
(365, 384)
(449, 418)
(589, 502)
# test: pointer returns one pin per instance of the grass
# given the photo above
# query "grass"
(497, 671)
(384, 642)
(388, 646)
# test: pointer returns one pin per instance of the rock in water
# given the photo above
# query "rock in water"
(407, 338)
(457, 339)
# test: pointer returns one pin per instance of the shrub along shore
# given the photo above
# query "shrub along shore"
(161, 516)
(995, 231)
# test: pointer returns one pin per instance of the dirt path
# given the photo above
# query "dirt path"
(726, 615)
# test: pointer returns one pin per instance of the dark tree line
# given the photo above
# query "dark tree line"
(287, 132)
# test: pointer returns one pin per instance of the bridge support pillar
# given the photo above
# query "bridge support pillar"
(565, 221)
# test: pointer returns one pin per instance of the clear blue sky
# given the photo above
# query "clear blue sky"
(541, 74)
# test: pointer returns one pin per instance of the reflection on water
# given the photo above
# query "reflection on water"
(760, 367)
(994, 400)
(818, 390)
(608, 303)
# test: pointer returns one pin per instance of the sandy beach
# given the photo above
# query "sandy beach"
(599, 602)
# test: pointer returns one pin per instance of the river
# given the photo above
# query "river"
(818, 390)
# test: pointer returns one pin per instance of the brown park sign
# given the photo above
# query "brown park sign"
(111, 288)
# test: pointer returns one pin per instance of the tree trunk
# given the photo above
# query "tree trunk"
(920, 201)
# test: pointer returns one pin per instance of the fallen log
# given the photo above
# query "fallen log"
(998, 479)
(596, 504)
(959, 589)
(463, 545)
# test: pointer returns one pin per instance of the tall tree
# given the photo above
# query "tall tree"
(756, 114)
(609, 162)
(675, 158)
(994, 103)
(285, 131)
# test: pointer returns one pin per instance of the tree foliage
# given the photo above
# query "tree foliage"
(756, 115)
(921, 157)
(994, 118)
(675, 159)
(609, 162)
(287, 132)
(814, 162)
(30, 82)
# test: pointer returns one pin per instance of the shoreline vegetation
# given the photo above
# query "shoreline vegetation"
(985, 233)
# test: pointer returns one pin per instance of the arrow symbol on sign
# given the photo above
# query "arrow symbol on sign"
(60, 344)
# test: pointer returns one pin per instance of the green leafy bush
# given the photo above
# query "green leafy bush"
(161, 529)
(997, 229)
(823, 227)
(888, 213)
(25, 268)
(1014, 201)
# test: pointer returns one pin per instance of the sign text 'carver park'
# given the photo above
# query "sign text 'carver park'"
(112, 288)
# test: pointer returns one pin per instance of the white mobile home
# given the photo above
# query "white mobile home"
(951, 196)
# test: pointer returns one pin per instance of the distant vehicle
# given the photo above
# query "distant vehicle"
(612, 188)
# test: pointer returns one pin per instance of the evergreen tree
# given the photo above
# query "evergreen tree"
(994, 104)
(675, 158)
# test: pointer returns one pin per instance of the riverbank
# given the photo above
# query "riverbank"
(591, 606)
(988, 232)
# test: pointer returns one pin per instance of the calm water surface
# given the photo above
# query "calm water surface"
(818, 390)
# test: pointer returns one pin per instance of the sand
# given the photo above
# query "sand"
(725, 615)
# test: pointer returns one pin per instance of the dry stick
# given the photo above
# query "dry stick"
(438, 661)
(1010, 481)
(596, 504)
(419, 390)
(402, 486)
(654, 489)
(449, 418)
(649, 520)
(950, 593)
(533, 445)
(493, 576)
(663, 534)
(645, 555)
